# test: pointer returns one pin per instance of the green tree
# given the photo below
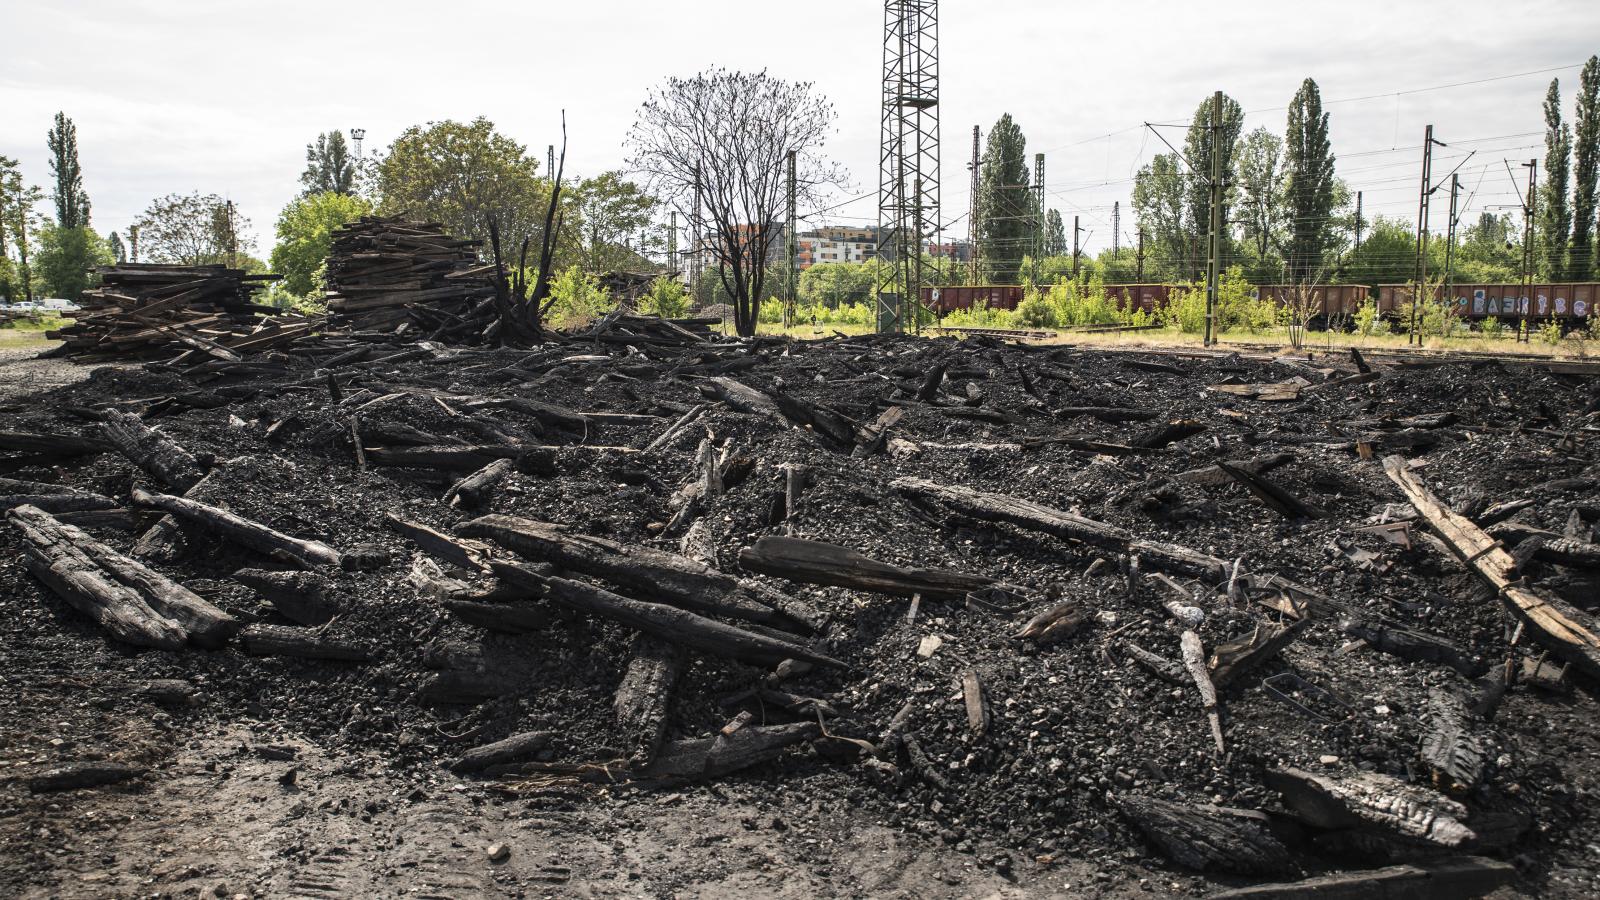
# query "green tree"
(1261, 198)
(1055, 234)
(115, 245)
(1006, 222)
(1555, 216)
(1198, 149)
(1118, 267)
(1490, 250)
(1309, 189)
(1387, 255)
(67, 258)
(1586, 168)
(72, 204)
(18, 224)
(1159, 192)
(610, 212)
(329, 166)
(192, 230)
(305, 231)
(460, 174)
(833, 284)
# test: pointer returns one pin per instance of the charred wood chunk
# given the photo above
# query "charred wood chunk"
(645, 696)
(1255, 465)
(52, 445)
(1205, 838)
(475, 490)
(512, 749)
(1451, 747)
(1455, 878)
(463, 554)
(283, 640)
(815, 562)
(1233, 658)
(1417, 646)
(82, 775)
(1056, 623)
(1373, 802)
(299, 596)
(516, 617)
(1169, 433)
(152, 451)
(1273, 495)
(712, 757)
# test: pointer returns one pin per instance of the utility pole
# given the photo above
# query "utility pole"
(1214, 259)
(973, 214)
(1138, 275)
(1526, 300)
(1450, 240)
(1359, 223)
(672, 245)
(1075, 230)
(233, 239)
(1038, 199)
(794, 275)
(1116, 226)
(696, 238)
(1414, 335)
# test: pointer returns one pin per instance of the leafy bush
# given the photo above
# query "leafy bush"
(1550, 332)
(980, 316)
(1491, 327)
(843, 314)
(1035, 311)
(770, 312)
(1436, 319)
(666, 297)
(1368, 321)
(577, 298)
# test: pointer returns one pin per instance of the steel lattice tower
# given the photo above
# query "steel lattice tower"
(908, 157)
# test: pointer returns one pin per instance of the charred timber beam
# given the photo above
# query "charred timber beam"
(243, 531)
(712, 757)
(475, 490)
(668, 623)
(644, 697)
(815, 562)
(152, 451)
(52, 444)
(671, 578)
(304, 643)
(1456, 878)
(1037, 517)
(59, 558)
(1271, 494)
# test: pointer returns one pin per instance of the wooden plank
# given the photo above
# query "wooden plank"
(1569, 632)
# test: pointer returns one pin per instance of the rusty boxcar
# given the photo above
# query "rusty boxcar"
(1480, 301)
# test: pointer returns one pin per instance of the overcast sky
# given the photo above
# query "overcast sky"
(179, 95)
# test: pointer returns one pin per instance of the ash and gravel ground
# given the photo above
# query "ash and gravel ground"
(1024, 810)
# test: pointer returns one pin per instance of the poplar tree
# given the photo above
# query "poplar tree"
(1308, 185)
(1005, 201)
(329, 166)
(1197, 149)
(1555, 216)
(1586, 158)
(72, 204)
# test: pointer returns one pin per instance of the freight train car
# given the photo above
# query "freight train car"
(1481, 301)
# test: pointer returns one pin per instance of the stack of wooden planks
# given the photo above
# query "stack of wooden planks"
(389, 275)
(150, 309)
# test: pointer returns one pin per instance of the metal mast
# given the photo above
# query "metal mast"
(973, 213)
(908, 157)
